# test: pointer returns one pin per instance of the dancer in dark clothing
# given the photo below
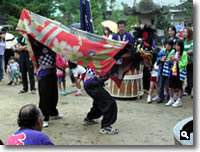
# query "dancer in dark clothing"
(103, 104)
(47, 81)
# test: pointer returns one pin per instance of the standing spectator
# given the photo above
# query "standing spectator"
(30, 120)
(178, 74)
(188, 47)
(180, 34)
(26, 66)
(107, 33)
(61, 65)
(153, 82)
(2, 50)
(10, 45)
(13, 69)
(164, 69)
(122, 35)
(79, 73)
(172, 34)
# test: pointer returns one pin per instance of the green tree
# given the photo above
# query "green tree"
(98, 7)
(188, 7)
(162, 21)
(111, 3)
(12, 9)
(145, 1)
(70, 10)
(130, 19)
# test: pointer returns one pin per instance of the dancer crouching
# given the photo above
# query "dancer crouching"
(103, 104)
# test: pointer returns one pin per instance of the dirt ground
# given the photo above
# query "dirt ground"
(139, 123)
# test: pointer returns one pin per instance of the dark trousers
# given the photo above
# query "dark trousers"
(1, 66)
(103, 105)
(48, 93)
(71, 76)
(146, 78)
(7, 54)
(189, 86)
(26, 65)
(162, 81)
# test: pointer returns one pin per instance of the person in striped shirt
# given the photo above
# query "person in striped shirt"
(177, 74)
(164, 69)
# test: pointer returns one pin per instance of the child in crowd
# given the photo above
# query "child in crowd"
(164, 70)
(153, 83)
(13, 69)
(17, 59)
(178, 74)
(79, 74)
(61, 65)
(17, 56)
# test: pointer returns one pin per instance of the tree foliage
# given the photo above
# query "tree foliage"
(147, 1)
(188, 7)
(162, 21)
(70, 10)
(12, 9)
(98, 7)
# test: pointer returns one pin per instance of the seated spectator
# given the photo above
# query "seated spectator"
(30, 120)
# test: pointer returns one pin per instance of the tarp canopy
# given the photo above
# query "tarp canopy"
(78, 46)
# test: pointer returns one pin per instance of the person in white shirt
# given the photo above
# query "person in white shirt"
(79, 74)
(10, 45)
(107, 33)
(153, 82)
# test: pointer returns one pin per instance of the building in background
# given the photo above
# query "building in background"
(178, 14)
(146, 11)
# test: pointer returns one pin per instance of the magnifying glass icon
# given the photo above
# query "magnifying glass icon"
(184, 134)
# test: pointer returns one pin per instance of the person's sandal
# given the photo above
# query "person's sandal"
(77, 94)
(10, 83)
(22, 91)
(33, 92)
